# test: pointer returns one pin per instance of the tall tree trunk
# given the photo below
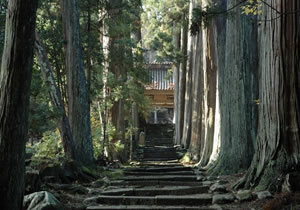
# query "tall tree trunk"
(176, 74)
(89, 54)
(197, 100)
(2, 31)
(220, 24)
(186, 133)
(77, 88)
(278, 142)
(15, 80)
(105, 40)
(214, 36)
(209, 93)
(182, 78)
(55, 95)
(136, 36)
(238, 92)
(118, 66)
(209, 59)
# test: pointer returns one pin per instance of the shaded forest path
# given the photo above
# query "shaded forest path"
(158, 180)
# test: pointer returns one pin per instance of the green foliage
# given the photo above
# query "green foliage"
(186, 158)
(42, 114)
(49, 149)
(97, 135)
(252, 7)
(159, 19)
(91, 171)
(113, 174)
(201, 16)
(127, 74)
(116, 148)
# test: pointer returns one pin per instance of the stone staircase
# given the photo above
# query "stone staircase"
(159, 134)
(159, 181)
(156, 185)
(159, 143)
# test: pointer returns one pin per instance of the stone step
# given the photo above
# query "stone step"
(159, 151)
(150, 143)
(159, 147)
(170, 163)
(187, 200)
(182, 178)
(153, 191)
(159, 142)
(149, 173)
(160, 169)
(154, 183)
(157, 159)
(160, 155)
(143, 207)
(161, 139)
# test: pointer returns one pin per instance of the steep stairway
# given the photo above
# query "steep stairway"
(159, 143)
(158, 181)
(161, 186)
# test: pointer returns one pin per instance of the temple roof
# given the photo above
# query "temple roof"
(161, 76)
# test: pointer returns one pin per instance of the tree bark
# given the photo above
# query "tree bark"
(55, 95)
(89, 54)
(118, 66)
(187, 101)
(15, 80)
(238, 91)
(220, 24)
(77, 88)
(176, 73)
(278, 142)
(214, 36)
(209, 93)
(2, 31)
(196, 143)
(182, 80)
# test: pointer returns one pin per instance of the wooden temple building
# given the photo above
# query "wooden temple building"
(161, 92)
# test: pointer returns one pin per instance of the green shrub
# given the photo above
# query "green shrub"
(50, 148)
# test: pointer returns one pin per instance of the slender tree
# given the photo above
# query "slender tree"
(15, 80)
(56, 99)
(195, 145)
(79, 114)
(187, 67)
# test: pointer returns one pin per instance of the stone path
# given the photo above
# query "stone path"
(156, 185)
(159, 181)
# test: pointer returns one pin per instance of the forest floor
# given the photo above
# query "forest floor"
(165, 184)
(157, 180)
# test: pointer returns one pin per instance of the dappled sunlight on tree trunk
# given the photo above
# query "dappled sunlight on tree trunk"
(237, 86)
(278, 142)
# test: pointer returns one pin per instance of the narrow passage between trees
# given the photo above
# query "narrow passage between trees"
(158, 180)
